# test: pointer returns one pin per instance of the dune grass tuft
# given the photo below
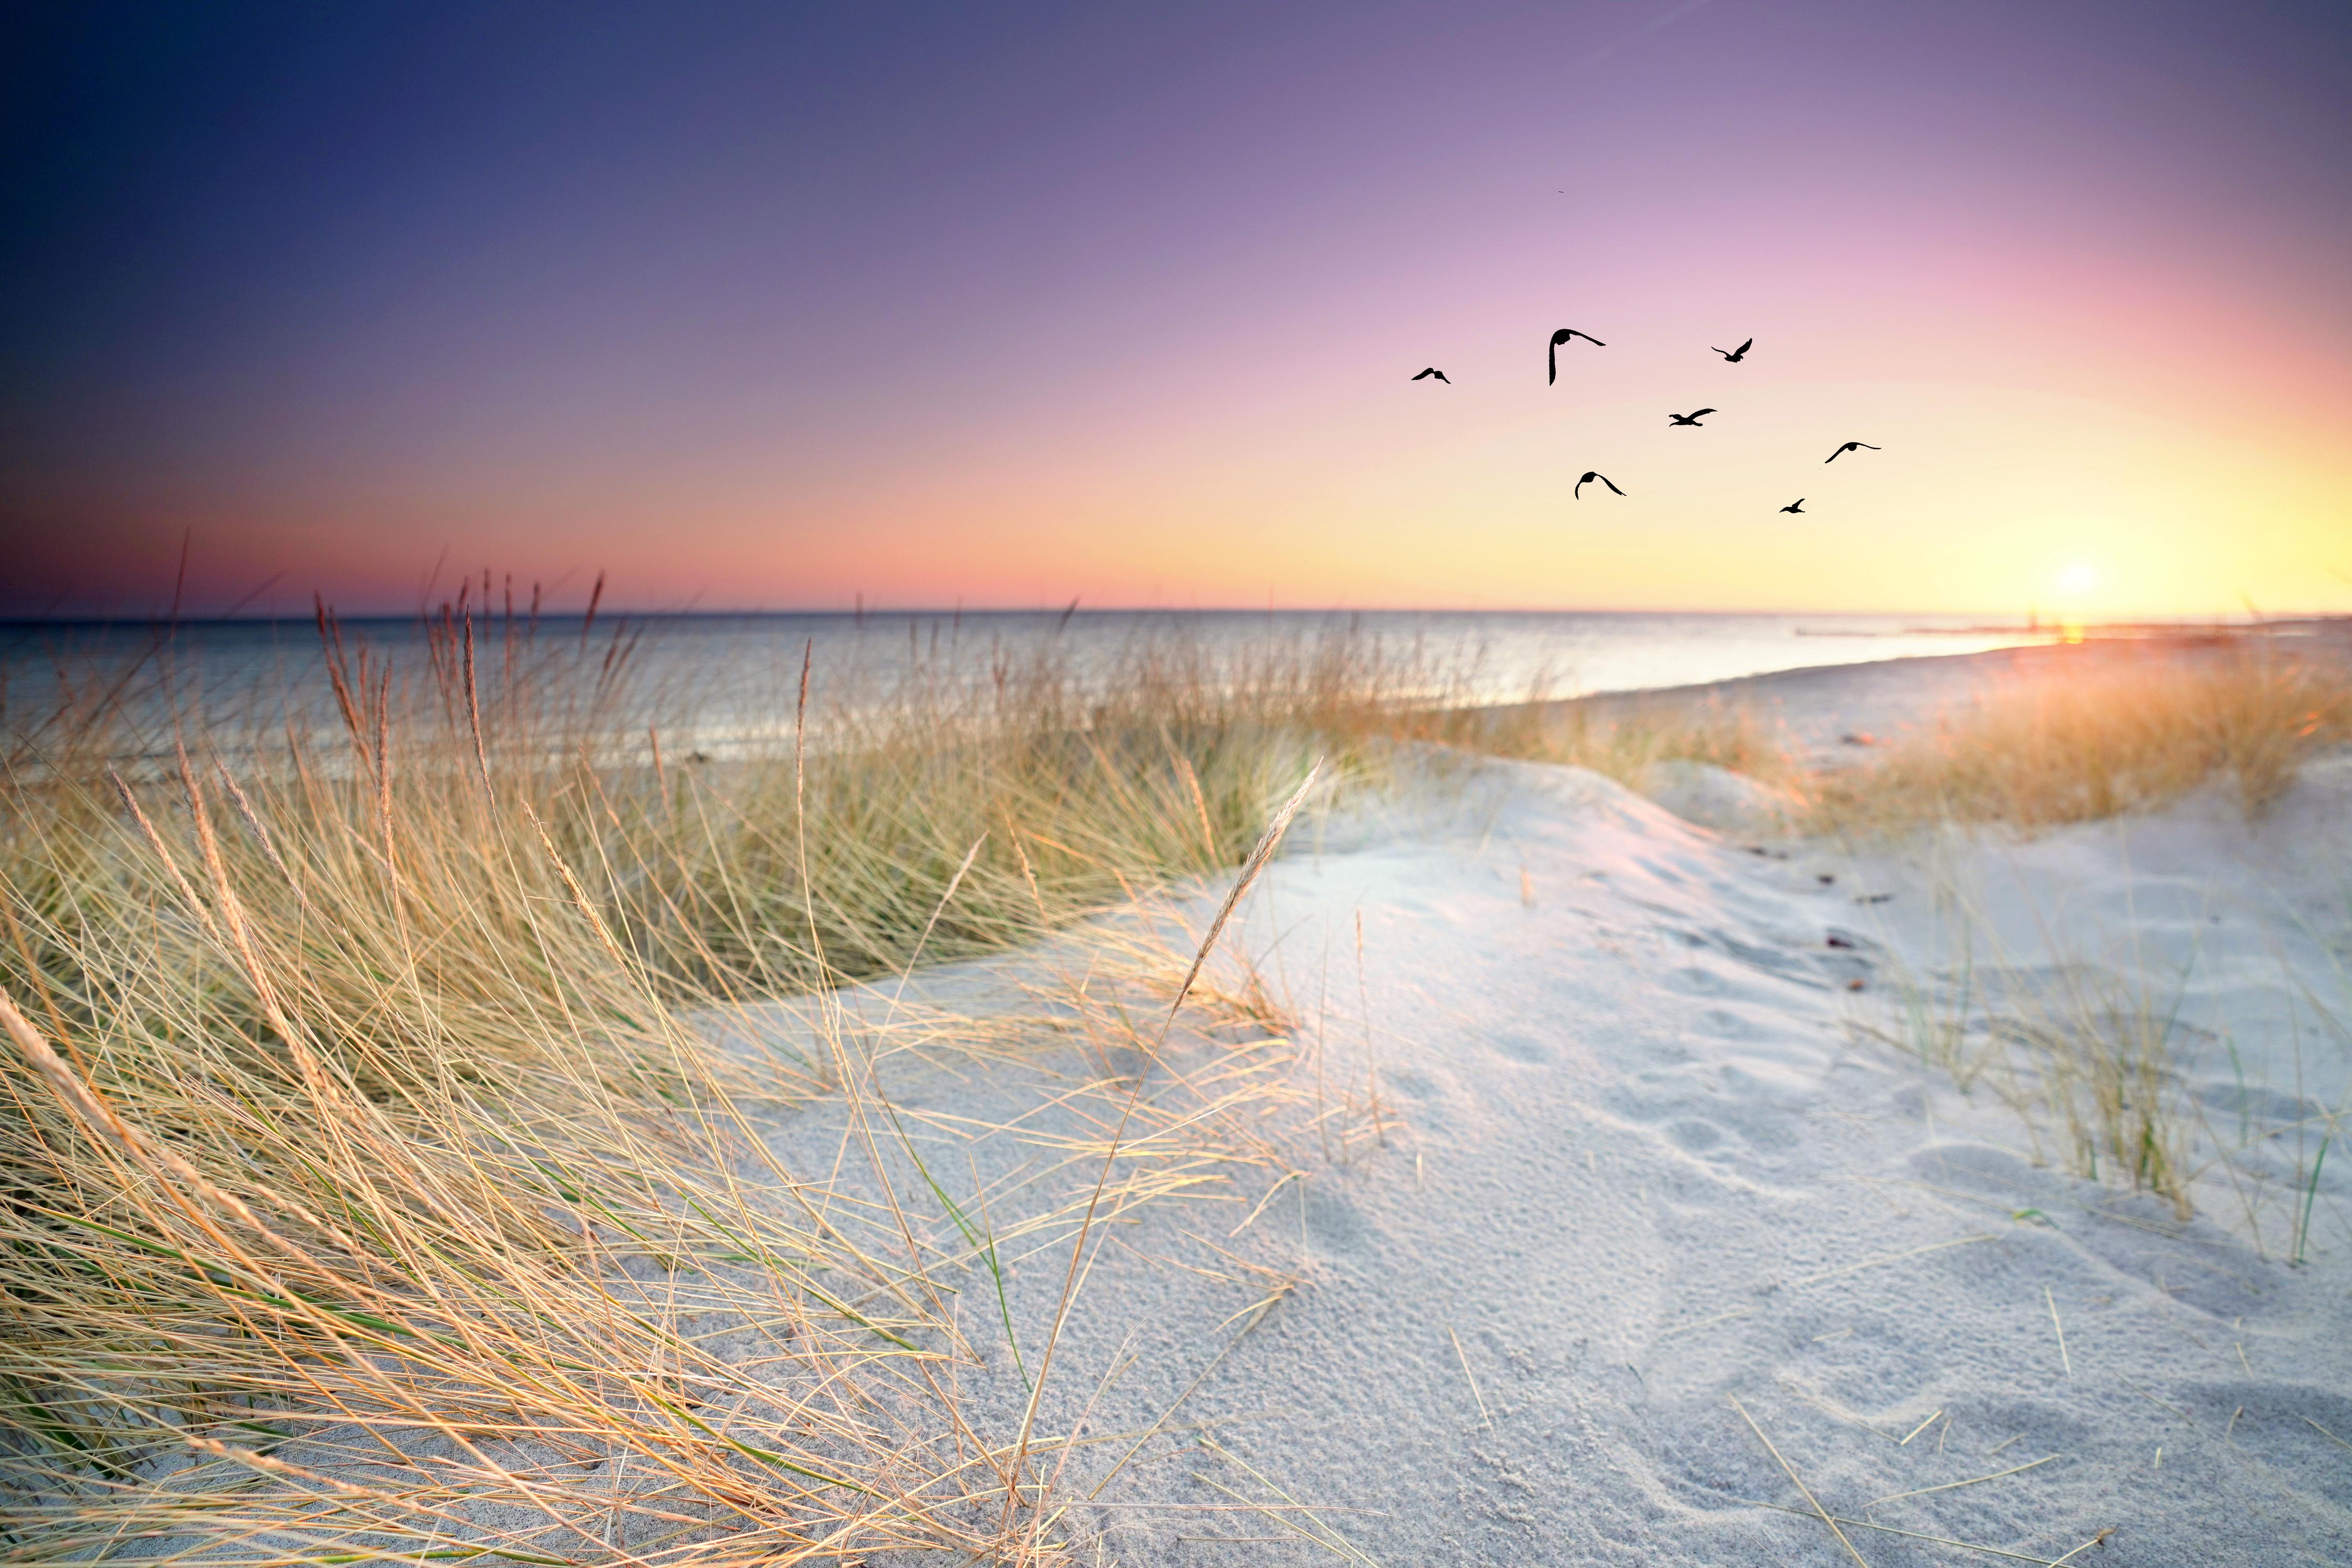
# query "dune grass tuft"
(374, 1188)
(2091, 1053)
(1623, 738)
(2092, 1056)
(2130, 734)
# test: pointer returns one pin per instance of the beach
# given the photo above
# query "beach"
(1532, 1174)
(1672, 1236)
(1176, 786)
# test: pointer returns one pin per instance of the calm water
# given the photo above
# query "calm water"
(739, 672)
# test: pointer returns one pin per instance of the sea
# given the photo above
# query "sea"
(739, 673)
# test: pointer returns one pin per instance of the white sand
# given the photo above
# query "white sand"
(1647, 1158)
(1648, 1163)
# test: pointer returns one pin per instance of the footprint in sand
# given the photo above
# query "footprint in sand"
(1729, 1025)
(1334, 1224)
(1520, 1048)
(1407, 1081)
(1693, 1134)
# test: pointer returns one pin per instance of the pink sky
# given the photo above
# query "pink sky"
(761, 315)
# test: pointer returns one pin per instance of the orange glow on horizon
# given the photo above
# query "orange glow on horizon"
(1375, 506)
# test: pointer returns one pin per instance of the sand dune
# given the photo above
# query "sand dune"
(1650, 1156)
(1623, 1190)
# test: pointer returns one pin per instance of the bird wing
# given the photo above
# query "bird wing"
(1696, 412)
(1867, 444)
(1839, 452)
(1744, 347)
(1446, 378)
(1578, 493)
(1612, 489)
(1426, 375)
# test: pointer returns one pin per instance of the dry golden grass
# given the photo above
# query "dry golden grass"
(374, 1188)
(1624, 739)
(2091, 1053)
(2123, 735)
(2093, 1062)
(2126, 729)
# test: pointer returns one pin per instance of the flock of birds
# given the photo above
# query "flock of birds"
(1692, 419)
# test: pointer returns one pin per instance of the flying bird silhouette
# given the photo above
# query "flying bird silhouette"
(1797, 506)
(1849, 446)
(1590, 475)
(1690, 419)
(1551, 357)
(1737, 354)
(1433, 370)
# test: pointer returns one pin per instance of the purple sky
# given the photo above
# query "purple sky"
(761, 307)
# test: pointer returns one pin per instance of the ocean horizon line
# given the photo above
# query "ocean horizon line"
(1989, 618)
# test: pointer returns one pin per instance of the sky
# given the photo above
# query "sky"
(782, 307)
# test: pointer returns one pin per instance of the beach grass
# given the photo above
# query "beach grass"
(2090, 1052)
(2089, 1049)
(2135, 730)
(1623, 738)
(2093, 1056)
(2066, 745)
(376, 1189)
(385, 1177)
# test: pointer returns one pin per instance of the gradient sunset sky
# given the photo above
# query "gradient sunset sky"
(769, 306)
